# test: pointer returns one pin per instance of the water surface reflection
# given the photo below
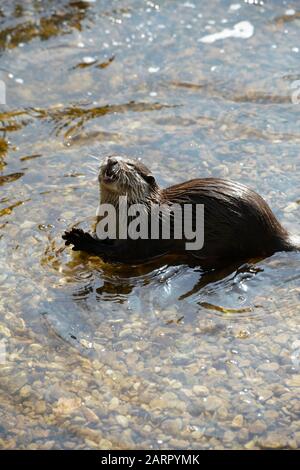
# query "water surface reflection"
(165, 355)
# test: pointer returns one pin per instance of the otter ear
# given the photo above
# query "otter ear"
(150, 179)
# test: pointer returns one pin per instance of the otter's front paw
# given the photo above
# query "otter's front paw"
(81, 240)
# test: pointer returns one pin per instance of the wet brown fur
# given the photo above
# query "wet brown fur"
(238, 223)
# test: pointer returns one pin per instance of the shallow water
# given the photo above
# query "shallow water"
(160, 356)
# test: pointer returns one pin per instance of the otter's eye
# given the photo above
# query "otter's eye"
(150, 179)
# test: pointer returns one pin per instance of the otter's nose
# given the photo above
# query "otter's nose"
(111, 164)
(112, 161)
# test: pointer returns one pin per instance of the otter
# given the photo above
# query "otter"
(238, 223)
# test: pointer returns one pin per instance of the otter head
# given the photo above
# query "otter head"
(120, 176)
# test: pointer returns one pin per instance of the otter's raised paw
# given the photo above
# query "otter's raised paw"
(81, 240)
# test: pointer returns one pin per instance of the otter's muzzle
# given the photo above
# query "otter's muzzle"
(110, 171)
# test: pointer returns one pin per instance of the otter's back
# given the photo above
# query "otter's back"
(237, 221)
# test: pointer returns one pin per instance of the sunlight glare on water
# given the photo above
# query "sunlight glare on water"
(162, 355)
